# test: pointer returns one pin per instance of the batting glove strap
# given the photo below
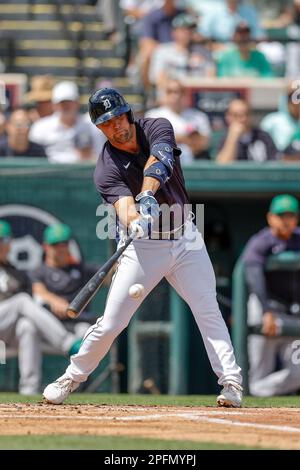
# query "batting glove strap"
(140, 227)
(148, 205)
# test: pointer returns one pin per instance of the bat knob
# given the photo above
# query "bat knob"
(71, 313)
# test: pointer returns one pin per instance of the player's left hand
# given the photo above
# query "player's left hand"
(148, 206)
(140, 227)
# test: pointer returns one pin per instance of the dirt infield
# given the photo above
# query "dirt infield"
(264, 427)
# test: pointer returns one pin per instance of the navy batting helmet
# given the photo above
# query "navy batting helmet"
(106, 104)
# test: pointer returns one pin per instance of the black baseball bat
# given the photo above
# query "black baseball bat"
(86, 294)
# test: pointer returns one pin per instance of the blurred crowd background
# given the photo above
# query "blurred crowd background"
(224, 72)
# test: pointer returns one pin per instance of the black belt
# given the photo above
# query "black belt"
(172, 235)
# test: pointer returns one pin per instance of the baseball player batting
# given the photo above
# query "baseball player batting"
(139, 172)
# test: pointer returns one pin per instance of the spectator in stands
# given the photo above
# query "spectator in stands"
(274, 301)
(58, 280)
(289, 16)
(65, 135)
(243, 59)
(285, 123)
(243, 141)
(39, 99)
(181, 57)
(2, 127)
(292, 151)
(156, 29)
(108, 12)
(8, 45)
(191, 126)
(136, 10)
(23, 324)
(17, 143)
(220, 23)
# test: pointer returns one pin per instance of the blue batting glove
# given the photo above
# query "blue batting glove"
(148, 205)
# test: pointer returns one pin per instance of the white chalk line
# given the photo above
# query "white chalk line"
(230, 422)
(190, 416)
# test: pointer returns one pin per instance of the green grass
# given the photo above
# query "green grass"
(106, 443)
(157, 400)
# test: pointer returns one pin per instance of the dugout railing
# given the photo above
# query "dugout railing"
(240, 329)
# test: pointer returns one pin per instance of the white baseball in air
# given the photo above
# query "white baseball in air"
(136, 290)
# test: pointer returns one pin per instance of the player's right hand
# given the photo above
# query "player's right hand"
(269, 327)
(140, 227)
(59, 306)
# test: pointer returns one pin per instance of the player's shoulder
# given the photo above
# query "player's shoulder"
(151, 123)
(38, 273)
(106, 167)
(107, 153)
(296, 233)
(261, 238)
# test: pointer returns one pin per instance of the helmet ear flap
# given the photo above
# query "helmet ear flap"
(130, 117)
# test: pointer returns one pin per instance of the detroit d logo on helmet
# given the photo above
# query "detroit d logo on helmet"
(107, 104)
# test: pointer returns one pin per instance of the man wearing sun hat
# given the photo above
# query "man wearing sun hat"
(23, 323)
(274, 300)
(40, 95)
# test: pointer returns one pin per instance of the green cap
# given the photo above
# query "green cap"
(284, 203)
(5, 229)
(57, 233)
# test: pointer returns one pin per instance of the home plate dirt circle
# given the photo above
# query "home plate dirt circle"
(259, 427)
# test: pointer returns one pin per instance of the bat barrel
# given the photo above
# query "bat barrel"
(90, 289)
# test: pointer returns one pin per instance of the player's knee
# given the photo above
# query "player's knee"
(206, 303)
(23, 298)
(25, 327)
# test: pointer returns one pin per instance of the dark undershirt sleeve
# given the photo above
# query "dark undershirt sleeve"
(256, 282)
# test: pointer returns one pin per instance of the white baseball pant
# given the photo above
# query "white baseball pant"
(190, 272)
